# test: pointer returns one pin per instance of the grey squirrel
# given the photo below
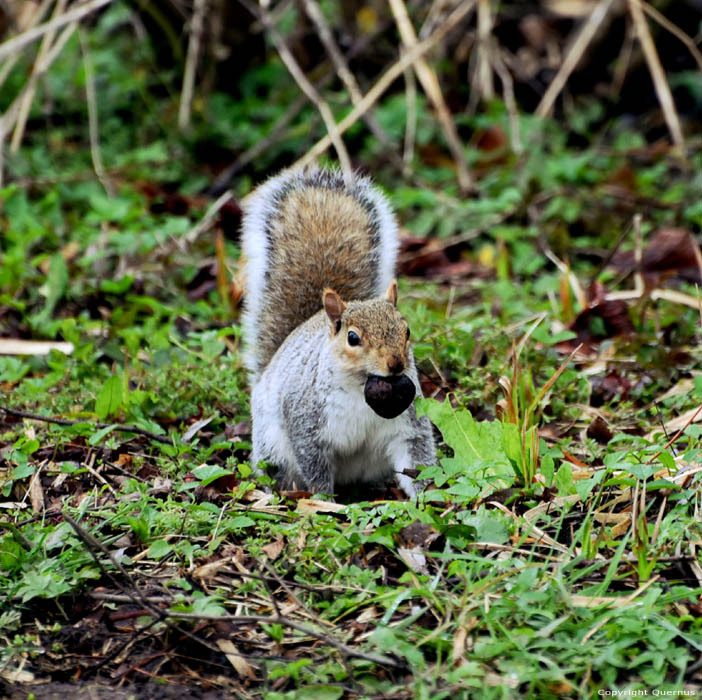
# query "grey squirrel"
(328, 354)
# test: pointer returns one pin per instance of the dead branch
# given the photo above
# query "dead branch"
(384, 82)
(585, 35)
(660, 83)
(17, 43)
(430, 83)
(186, 96)
(304, 84)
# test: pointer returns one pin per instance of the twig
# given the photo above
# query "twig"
(221, 182)
(677, 435)
(66, 421)
(287, 622)
(93, 546)
(345, 75)
(577, 48)
(11, 114)
(303, 83)
(510, 102)
(484, 69)
(28, 97)
(430, 83)
(665, 97)
(385, 80)
(186, 95)
(206, 221)
(36, 17)
(93, 124)
(621, 65)
(410, 119)
(686, 39)
(12, 46)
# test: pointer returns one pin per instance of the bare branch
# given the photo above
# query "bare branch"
(386, 80)
(15, 44)
(430, 83)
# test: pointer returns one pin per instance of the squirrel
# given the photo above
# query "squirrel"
(331, 369)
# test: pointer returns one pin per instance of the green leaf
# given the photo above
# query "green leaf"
(160, 549)
(97, 437)
(55, 286)
(207, 473)
(564, 481)
(477, 444)
(109, 400)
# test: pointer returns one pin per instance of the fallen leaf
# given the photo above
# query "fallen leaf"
(240, 664)
(599, 431)
(415, 559)
(274, 549)
(313, 505)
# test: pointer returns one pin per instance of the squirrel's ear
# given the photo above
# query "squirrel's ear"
(391, 294)
(334, 307)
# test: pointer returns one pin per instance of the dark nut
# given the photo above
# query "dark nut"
(389, 396)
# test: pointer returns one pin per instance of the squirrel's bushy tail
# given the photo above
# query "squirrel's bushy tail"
(304, 231)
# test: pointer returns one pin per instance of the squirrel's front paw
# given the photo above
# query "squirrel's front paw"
(406, 484)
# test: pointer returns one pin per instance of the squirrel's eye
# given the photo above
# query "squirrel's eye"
(353, 338)
(408, 333)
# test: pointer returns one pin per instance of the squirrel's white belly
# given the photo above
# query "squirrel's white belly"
(362, 448)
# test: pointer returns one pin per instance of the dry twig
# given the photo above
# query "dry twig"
(575, 53)
(430, 83)
(11, 46)
(660, 83)
(385, 80)
(65, 421)
(304, 84)
(186, 95)
(93, 123)
(345, 75)
(36, 17)
(28, 97)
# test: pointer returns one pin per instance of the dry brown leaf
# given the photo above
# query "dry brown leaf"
(459, 644)
(36, 492)
(274, 549)
(313, 505)
(206, 572)
(240, 664)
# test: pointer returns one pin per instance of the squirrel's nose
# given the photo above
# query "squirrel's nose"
(396, 365)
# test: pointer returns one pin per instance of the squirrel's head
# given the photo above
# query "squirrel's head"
(370, 337)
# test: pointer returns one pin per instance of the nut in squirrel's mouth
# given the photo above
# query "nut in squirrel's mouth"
(389, 396)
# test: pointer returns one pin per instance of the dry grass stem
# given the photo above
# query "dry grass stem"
(575, 53)
(410, 120)
(385, 80)
(303, 83)
(28, 97)
(9, 118)
(660, 82)
(197, 22)
(686, 39)
(12, 46)
(314, 12)
(93, 122)
(430, 83)
(35, 18)
(502, 71)
(484, 69)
